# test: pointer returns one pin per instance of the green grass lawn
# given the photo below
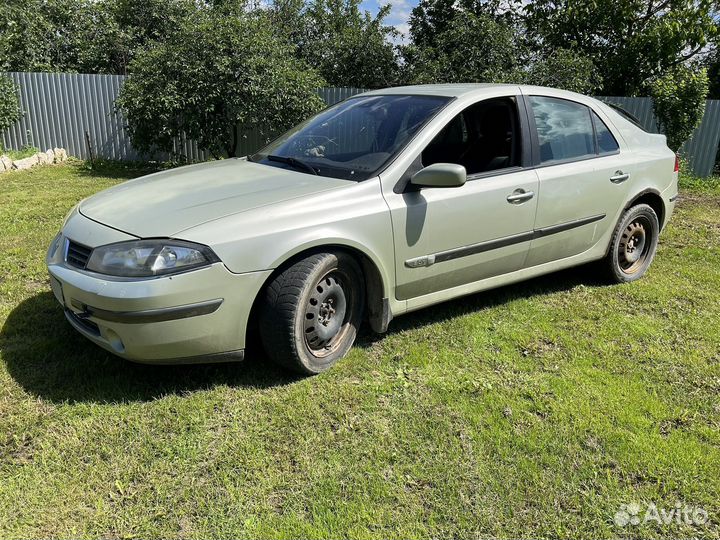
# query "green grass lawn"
(535, 410)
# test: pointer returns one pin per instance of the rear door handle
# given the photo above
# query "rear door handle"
(619, 177)
(520, 196)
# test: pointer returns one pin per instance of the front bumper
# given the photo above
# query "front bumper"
(197, 316)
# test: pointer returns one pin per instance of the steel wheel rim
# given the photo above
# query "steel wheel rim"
(327, 314)
(635, 244)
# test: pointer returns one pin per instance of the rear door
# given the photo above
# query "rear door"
(583, 171)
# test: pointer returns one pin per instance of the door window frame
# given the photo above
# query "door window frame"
(526, 146)
(535, 140)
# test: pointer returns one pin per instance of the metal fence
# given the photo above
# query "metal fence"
(77, 112)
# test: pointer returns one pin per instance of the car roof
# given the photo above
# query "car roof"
(476, 89)
(448, 90)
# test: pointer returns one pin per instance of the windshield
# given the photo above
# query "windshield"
(353, 139)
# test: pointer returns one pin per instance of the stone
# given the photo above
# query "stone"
(60, 154)
(26, 163)
(42, 158)
(5, 163)
(51, 155)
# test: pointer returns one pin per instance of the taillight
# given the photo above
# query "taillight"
(677, 164)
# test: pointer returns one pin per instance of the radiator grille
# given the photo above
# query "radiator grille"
(77, 255)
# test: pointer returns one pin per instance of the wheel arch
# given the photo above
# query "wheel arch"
(377, 285)
(653, 199)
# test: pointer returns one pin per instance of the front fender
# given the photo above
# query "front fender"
(355, 217)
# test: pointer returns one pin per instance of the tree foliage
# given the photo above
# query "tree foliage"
(347, 46)
(10, 111)
(85, 36)
(481, 41)
(629, 41)
(679, 102)
(713, 68)
(432, 18)
(470, 48)
(561, 68)
(213, 74)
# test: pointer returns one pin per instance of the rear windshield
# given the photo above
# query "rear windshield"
(353, 139)
(626, 115)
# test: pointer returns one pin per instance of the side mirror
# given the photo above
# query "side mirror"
(440, 175)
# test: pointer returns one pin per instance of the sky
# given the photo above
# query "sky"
(399, 13)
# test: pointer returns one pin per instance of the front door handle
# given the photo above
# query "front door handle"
(519, 196)
(619, 177)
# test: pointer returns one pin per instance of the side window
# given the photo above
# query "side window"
(564, 129)
(484, 137)
(605, 140)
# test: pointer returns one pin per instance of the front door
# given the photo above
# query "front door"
(446, 237)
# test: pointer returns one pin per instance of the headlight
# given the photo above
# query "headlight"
(54, 245)
(146, 258)
(69, 215)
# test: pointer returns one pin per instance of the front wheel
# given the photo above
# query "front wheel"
(311, 312)
(633, 244)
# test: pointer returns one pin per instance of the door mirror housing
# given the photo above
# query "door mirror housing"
(440, 175)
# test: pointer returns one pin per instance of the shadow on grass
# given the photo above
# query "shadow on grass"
(50, 360)
(118, 170)
(535, 287)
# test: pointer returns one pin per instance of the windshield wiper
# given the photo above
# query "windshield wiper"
(293, 162)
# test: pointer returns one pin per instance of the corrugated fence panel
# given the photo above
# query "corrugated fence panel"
(60, 108)
(702, 147)
(77, 112)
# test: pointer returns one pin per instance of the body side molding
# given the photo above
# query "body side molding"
(465, 251)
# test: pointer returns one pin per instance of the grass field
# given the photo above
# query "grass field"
(535, 410)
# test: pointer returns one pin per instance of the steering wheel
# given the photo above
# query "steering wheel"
(313, 141)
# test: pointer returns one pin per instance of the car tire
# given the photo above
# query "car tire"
(633, 245)
(311, 312)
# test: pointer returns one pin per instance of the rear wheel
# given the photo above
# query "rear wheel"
(311, 312)
(633, 244)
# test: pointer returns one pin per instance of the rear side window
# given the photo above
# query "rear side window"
(605, 140)
(564, 129)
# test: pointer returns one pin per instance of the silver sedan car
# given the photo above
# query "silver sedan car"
(388, 202)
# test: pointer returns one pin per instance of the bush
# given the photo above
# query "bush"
(213, 75)
(679, 102)
(10, 111)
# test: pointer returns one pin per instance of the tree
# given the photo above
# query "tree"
(10, 111)
(482, 41)
(472, 48)
(24, 32)
(679, 102)
(713, 68)
(562, 68)
(85, 36)
(430, 18)
(212, 75)
(629, 41)
(130, 26)
(346, 45)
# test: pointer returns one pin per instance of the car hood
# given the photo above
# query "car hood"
(166, 203)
